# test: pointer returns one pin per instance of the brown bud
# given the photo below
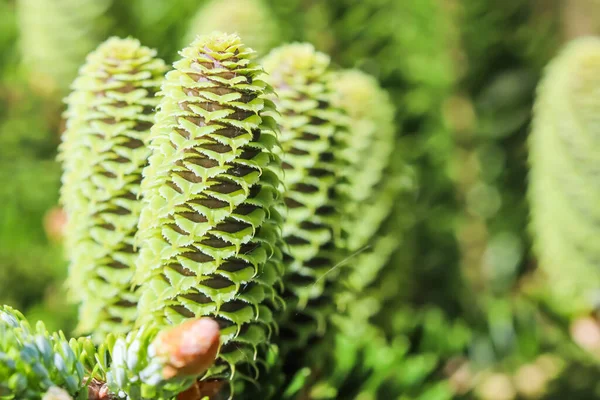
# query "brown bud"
(190, 348)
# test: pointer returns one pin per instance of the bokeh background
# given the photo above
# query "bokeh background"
(462, 299)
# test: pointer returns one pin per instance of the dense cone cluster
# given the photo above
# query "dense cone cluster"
(315, 232)
(564, 189)
(312, 134)
(47, 26)
(210, 231)
(104, 150)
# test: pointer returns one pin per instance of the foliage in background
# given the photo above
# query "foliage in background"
(30, 177)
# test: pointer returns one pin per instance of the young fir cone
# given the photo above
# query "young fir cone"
(104, 150)
(564, 189)
(252, 20)
(312, 134)
(210, 230)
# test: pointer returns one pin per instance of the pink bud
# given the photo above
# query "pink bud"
(190, 348)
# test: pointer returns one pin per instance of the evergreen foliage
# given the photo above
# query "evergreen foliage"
(34, 361)
(35, 364)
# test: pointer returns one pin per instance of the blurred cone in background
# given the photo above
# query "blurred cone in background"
(55, 37)
(252, 20)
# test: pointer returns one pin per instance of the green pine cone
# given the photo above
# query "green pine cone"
(104, 150)
(564, 188)
(252, 20)
(33, 361)
(413, 59)
(210, 231)
(312, 134)
(48, 31)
